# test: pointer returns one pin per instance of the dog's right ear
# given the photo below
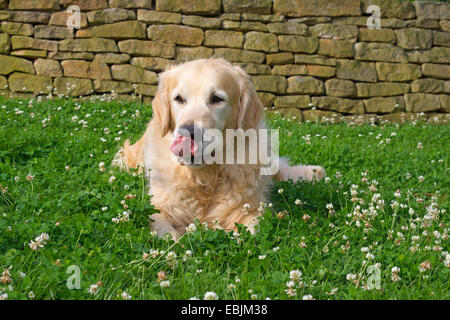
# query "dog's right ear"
(161, 104)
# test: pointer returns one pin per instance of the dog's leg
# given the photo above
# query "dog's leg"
(130, 156)
(252, 225)
(301, 172)
(162, 226)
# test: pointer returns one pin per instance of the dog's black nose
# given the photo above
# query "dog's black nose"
(187, 131)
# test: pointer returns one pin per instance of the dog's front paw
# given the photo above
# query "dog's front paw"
(301, 172)
(315, 173)
(162, 227)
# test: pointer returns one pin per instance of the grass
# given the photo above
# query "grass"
(59, 145)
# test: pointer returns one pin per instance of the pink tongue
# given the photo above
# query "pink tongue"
(182, 144)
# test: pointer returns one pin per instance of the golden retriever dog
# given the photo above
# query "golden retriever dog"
(191, 98)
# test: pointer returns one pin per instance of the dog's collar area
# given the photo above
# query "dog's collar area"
(191, 163)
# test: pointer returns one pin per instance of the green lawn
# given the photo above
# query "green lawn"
(60, 146)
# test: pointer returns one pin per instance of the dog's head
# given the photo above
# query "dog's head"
(200, 95)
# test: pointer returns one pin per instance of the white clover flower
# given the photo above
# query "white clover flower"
(447, 260)
(351, 277)
(210, 295)
(308, 297)
(332, 292)
(280, 191)
(145, 256)
(43, 237)
(298, 202)
(171, 255)
(262, 257)
(394, 274)
(424, 266)
(6, 276)
(370, 256)
(295, 275)
(291, 292)
(191, 228)
(125, 296)
(93, 289)
(290, 284)
(39, 242)
(164, 284)
(125, 216)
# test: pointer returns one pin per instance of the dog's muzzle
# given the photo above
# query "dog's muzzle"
(187, 143)
(182, 144)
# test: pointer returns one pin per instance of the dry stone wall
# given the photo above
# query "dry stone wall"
(308, 59)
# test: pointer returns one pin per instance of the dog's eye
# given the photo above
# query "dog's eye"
(179, 99)
(216, 99)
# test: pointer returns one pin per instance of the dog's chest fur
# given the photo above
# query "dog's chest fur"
(209, 193)
(205, 194)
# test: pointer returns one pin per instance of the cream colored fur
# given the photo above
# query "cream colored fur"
(215, 193)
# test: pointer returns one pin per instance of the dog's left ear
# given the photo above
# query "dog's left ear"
(250, 109)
